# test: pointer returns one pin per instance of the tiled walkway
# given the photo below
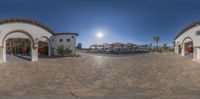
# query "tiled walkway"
(147, 76)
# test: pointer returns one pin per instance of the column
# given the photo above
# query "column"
(1, 54)
(194, 53)
(183, 50)
(197, 53)
(49, 51)
(34, 53)
(3, 48)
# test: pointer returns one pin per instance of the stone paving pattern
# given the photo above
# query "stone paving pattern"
(147, 76)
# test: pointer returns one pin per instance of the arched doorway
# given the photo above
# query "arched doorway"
(44, 46)
(187, 47)
(18, 49)
(18, 44)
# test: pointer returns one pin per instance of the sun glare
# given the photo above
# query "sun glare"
(99, 35)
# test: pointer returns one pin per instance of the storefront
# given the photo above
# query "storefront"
(29, 38)
(187, 42)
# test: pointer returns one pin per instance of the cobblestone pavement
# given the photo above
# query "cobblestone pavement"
(146, 76)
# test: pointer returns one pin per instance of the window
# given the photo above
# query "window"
(60, 40)
(68, 40)
(72, 36)
(198, 33)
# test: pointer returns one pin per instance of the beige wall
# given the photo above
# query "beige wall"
(191, 33)
(1, 54)
(36, 34)
(64, 37)
(34, 31)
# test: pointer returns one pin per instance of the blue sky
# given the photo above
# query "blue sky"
(134, 21)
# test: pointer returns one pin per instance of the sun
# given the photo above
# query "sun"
(99, 35)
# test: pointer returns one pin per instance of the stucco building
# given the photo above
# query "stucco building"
(31, 38)
(187, 42)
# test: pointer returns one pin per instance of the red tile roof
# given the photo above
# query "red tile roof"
(196, 23)
(34, 22)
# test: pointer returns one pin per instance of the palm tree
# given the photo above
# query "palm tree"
(156, 39)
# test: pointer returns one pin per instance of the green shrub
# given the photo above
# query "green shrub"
(63, 51)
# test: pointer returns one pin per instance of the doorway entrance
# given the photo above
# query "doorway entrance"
(188, 49)
(43, 49)
(18, 49)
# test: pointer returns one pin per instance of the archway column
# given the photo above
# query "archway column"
(195, 52)
(198, 53)
(34, 53)
(183, 50)
(1, 54)
(4, 52)
(49, 51)
(49, 47)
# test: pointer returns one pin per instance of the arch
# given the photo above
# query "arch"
(190, 49)
(48, 42)
(187, 38)
(21, 31)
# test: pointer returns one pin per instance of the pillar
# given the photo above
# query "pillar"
(3, 48)
(34, 53)
(1, 54)
(183, 50)
(49, 51)
(197, 53)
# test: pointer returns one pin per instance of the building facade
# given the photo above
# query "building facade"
(31, 38)
(187, 42)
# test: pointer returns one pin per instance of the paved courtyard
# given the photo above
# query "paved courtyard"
(145, 76)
